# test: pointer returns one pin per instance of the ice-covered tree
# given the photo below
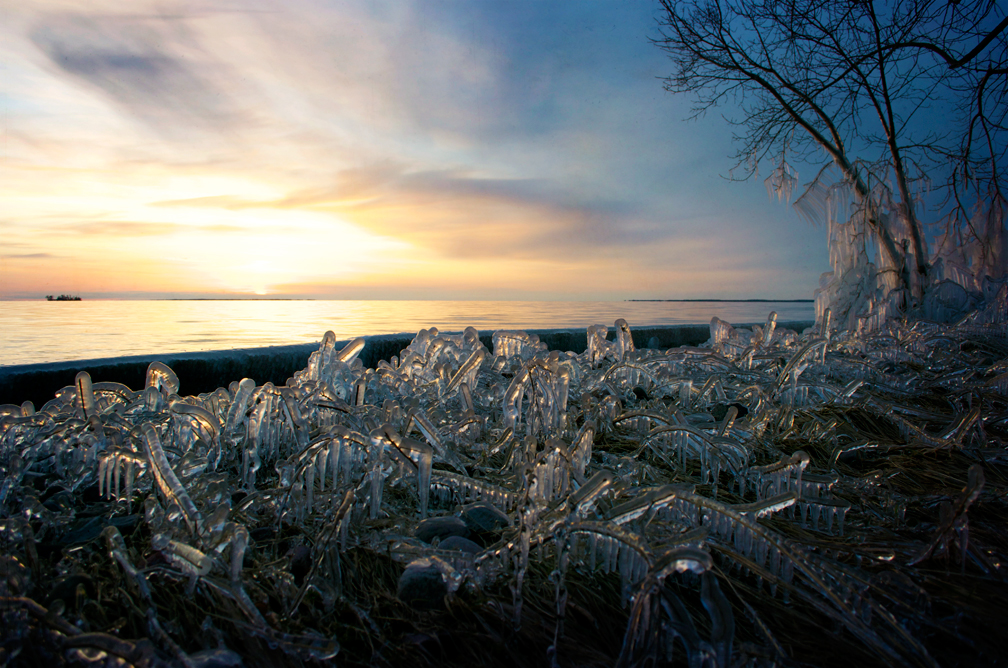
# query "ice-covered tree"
(905, 100)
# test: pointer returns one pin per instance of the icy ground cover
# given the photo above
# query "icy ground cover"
(773, 496)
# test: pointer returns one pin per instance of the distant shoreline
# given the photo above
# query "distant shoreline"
(788, 301)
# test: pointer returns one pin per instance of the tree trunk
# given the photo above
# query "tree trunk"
(896, 256)
(922, 265)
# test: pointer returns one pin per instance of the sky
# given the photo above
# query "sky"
(371, 150)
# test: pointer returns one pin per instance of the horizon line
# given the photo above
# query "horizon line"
(307, 299)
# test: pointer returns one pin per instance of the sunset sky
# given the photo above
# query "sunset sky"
(369, 150)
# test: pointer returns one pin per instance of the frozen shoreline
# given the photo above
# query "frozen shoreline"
(208, 370)
(461, 480)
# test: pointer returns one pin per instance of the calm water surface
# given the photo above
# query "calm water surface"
(38, 331)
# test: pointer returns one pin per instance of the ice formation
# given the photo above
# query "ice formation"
(968, 262)
(701, 478)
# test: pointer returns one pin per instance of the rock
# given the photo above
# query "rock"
(421, 586)
(441, 528)
(459, 543)
(482, 517)
(300, 557)
(720, 410)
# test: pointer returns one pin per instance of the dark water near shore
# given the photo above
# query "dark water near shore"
(39, 331)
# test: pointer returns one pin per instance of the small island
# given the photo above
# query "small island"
(63, 298)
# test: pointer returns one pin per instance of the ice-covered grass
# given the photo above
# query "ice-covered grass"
(819, 497)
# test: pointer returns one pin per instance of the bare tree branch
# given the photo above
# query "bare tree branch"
(863, 83)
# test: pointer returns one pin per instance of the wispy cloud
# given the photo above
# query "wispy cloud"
(27, 256)
(382, 147)
(462, 214)
(151, 67)
(126, 228)
(228, 202)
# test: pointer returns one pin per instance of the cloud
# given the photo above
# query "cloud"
(125, 228)
(27, 256)
(228, 202)
(408, 68)
(464, 214)
(151, 67)
(527, 141)
(460, 213)
(348, 70)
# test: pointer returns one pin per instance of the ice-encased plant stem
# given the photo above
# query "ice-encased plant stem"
(168, 482)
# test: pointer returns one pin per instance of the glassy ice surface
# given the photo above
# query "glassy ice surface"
(34, 332)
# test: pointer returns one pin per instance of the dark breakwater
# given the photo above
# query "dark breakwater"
(206, 371)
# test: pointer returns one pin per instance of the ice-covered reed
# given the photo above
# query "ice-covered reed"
(746, 463)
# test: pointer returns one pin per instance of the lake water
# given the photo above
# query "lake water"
(38, 331)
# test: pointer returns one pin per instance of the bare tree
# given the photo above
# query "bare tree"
(903, 98)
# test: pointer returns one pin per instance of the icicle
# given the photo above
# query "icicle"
(377, 474)
(598, 347)
(421, 455)
(720, 332)
(722, 618)
(685, 390)
(781, 183)
(513, 399)
(582, 501)
(728, 421)
(168, 482)
(430, 433)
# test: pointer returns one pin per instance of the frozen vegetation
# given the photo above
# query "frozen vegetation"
(825, 497)
(864, 288)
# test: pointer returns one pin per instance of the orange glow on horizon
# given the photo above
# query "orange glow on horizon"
(336, 151)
